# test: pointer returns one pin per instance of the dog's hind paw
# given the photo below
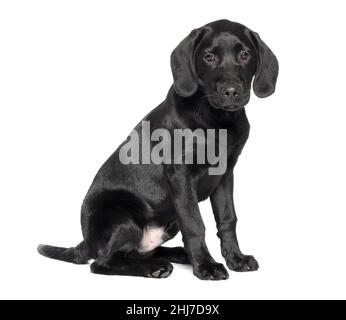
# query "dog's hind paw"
(162, 271)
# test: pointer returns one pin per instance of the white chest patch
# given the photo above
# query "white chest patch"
(152, 238)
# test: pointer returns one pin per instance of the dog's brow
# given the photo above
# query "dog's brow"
(225, 38)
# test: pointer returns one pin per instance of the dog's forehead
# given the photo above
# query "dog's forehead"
(226, 33)
(227, 26)
(225, 39)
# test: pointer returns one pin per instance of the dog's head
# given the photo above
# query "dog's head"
(222, 58)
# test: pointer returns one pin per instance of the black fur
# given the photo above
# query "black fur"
(212, 81)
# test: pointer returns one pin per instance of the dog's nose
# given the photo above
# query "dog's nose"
(230, 93)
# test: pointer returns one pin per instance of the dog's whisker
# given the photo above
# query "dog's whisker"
(197, 108)
(198, 105)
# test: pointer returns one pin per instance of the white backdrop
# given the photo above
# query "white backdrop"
(75, 78)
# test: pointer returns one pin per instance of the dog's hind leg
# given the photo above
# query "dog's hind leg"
(121, 257)
(175, 254)
(120, 264)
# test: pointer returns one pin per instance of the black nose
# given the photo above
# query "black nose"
(230, 93)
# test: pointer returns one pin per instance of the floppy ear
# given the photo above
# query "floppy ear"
(183, 63)
(267, 68)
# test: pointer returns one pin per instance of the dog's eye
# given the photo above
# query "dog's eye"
(244, 56)
(210, 57)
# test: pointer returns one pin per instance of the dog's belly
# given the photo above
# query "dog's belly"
(152, 238)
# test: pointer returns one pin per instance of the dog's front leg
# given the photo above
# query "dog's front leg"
(193, 230)
(226, 220)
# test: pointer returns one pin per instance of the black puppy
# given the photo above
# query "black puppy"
(131, 209)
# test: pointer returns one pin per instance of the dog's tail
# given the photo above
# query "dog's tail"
(77, 255)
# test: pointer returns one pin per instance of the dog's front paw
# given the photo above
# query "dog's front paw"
(210, 271)
(241, 263)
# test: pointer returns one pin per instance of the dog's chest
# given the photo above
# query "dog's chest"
(207, 183)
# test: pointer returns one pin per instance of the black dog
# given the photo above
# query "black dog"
(130, 210)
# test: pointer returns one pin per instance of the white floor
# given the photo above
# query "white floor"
(291, 266)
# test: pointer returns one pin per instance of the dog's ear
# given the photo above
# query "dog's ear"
(267, 68)
(183, 63)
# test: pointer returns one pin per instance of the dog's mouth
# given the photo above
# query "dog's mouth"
(219, 104)
(230, 108)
